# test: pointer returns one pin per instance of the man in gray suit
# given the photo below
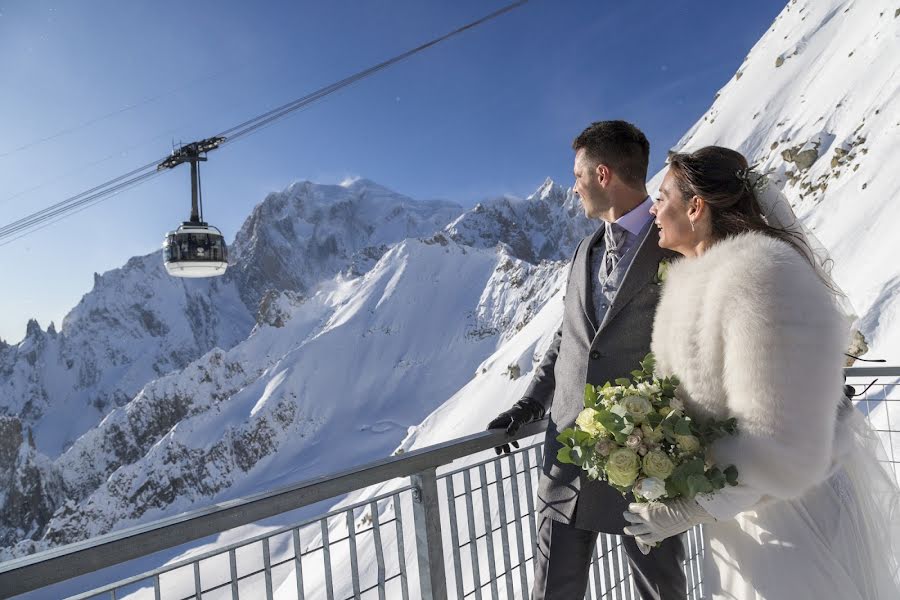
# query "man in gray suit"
(610, 301)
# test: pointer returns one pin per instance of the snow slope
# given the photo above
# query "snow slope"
(442, 332)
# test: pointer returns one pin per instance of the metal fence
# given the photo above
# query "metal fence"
(449, 521)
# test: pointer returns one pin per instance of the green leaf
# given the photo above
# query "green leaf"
(731, 475)
(654, 419)
(581, 438)
(683, 426)
(694, 466)
(716, 478)
(638, 375)
(620, 437)
(564, 455)
(590, 396)
(671, 488)
(698, 484)
(623, 381)
(577, 455)
(610, 421)
(649, 363)
(668, 427)
(666, 389)
(567, 436)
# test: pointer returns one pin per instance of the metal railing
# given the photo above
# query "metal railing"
(466, 532)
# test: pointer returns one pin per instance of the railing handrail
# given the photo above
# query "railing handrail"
(39, 570)
(872, 371)
(51, 566)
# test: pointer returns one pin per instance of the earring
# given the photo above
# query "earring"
(692, 226)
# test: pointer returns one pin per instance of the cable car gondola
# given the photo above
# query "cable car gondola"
(196, 248)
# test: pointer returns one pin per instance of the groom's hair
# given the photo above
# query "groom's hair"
(619, 145)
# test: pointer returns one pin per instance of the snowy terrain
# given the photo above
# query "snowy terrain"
(355, 321)
(371, 310)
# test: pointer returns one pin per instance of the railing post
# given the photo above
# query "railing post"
(429, 541)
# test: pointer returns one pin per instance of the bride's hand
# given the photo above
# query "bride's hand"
(653, 522)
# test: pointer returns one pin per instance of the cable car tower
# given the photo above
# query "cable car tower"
(196, 248)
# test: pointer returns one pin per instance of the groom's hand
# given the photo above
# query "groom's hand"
(524, 411)
(653, 522)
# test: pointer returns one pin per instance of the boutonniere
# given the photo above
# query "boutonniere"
(661, 272)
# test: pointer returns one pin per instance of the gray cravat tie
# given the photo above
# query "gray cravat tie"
(614, 238)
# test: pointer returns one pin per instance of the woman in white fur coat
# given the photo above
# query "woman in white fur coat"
(753, 332)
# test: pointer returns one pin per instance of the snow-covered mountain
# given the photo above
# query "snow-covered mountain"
(361, 294)
(362, 322)
(540, 227)
(817, 103)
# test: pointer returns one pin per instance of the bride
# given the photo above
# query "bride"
(750, 322)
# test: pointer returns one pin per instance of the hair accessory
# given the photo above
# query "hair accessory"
(752, 180)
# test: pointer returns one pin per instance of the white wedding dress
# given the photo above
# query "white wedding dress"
(834, 542)
(752, 332)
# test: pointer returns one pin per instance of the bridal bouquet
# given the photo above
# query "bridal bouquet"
(636, 435)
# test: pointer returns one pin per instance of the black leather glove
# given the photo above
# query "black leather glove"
(524, 411)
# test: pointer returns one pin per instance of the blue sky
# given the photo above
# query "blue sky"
(490, 112)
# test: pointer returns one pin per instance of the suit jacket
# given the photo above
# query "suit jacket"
(583, 352)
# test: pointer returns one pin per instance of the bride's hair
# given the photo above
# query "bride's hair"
(718, 175)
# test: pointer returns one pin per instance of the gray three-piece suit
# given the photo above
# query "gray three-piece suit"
(572, 508)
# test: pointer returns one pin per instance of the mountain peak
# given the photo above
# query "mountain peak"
(33, 329)
(544, 226)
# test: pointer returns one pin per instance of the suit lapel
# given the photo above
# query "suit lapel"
(640, 272)
(587, 280)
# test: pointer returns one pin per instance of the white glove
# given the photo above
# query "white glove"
(653, 522)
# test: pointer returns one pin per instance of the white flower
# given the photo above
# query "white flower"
(688, 444)
(637, 407)
(586, 420)
(604, 447)
(634, 440)
(647, 390)
(650, 488)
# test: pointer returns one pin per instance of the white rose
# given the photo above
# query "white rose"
(604, 447)
(648, 390)
(650, 488)
(637, 407)
(634, 440)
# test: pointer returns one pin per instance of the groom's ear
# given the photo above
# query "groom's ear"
(603, 174)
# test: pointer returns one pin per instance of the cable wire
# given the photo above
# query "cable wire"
(281, 111)
(51, 214)
(78, 200)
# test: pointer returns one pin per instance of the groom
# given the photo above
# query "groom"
(610, 300)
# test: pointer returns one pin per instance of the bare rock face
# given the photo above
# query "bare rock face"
(32, 486)
(177, 476)
(308, 232)
(804, 155)
(545, 226)
(275, 307)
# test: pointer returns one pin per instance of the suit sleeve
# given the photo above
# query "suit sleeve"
(782, 373)
(543, 383)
